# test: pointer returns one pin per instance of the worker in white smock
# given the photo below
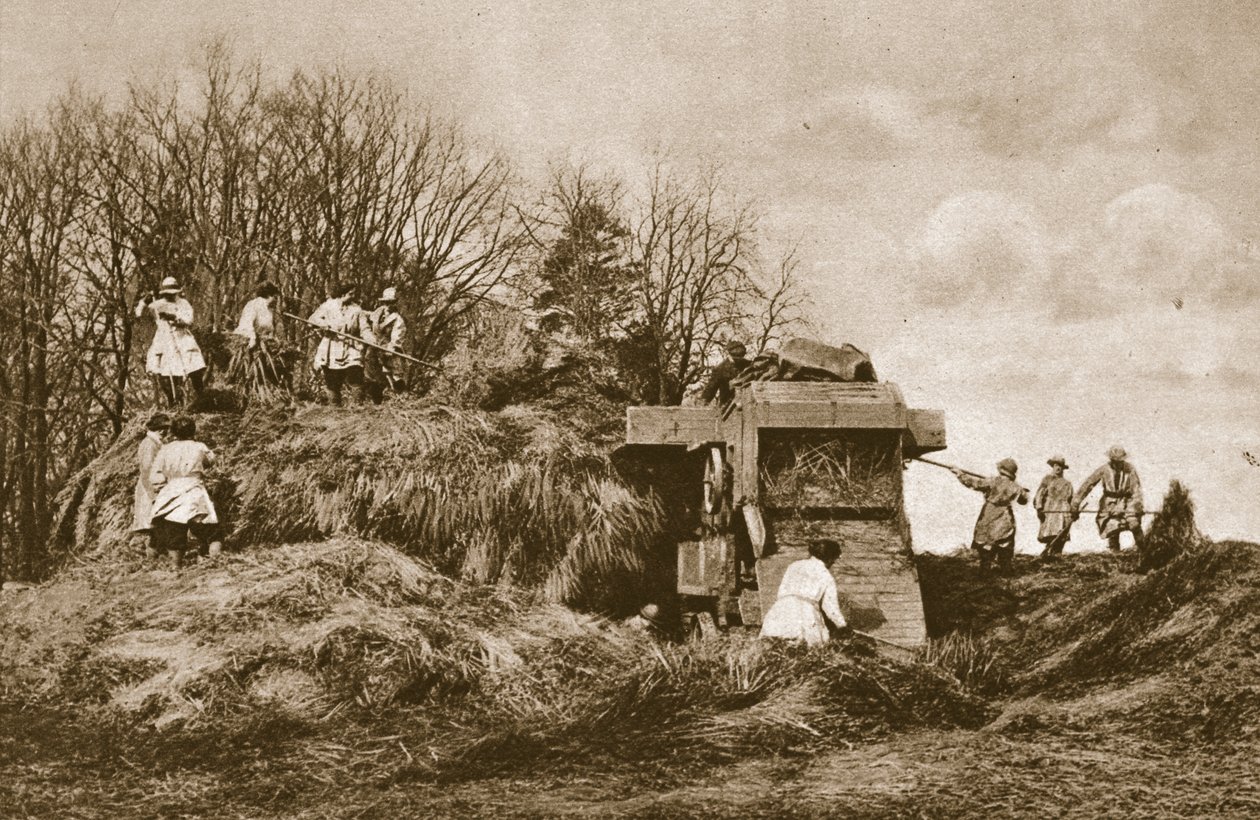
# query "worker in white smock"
(339, 356)
(807, 598)
(381, 370)
(182, 505)
(146, 451)
(257, 361)
(174, 356)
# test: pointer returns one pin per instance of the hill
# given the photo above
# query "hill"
(415, 618)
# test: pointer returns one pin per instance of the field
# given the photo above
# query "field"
(467, 659)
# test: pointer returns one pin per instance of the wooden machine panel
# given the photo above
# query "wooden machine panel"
(672, 425)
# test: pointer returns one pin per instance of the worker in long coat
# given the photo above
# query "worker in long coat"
(182, 504)
(1053, 503)
(339, 356)
(807, 598)
(174, 357)
(994, 535)
(142, 510)
(1120, 508)
(390, 329)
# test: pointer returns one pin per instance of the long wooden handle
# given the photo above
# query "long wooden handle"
(357, 340)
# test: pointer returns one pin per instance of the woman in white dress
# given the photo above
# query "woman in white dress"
(174, 358)
(145, 453)
(807, 594)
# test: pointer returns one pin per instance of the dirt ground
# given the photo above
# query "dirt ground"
(46, 770)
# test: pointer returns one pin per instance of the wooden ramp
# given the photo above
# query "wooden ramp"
(875, 576)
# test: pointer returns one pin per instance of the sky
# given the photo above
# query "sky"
(1039, 218)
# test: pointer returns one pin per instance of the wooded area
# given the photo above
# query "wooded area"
(322, 178)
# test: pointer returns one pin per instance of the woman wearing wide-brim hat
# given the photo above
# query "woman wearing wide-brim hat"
(1053, 503)
(174, 357)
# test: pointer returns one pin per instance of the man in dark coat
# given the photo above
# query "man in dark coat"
(719, 383)
(995, 528)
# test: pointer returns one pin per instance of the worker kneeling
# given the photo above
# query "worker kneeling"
(807, 598)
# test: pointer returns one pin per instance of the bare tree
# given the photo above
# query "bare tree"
(693, 251)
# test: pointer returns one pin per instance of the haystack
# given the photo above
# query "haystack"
(524, 495)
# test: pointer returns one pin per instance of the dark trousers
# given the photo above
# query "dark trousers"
(175, 388)
(171, 536)
(335, 380)
(1003, 551)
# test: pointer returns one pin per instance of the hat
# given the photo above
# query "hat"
(389, 295)
(1008, 466)
(1116, 453)
(652, 614)
(1057, 460)
(169, 285)
(735, 347)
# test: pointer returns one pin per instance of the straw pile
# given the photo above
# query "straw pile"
(352, 630)
(524, 495)
(857, 470)
(1171, 654)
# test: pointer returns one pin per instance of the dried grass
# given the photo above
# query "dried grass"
(821, 469)
(973, 659)
(523, 495)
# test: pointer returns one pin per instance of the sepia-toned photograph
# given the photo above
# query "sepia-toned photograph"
(435, 409)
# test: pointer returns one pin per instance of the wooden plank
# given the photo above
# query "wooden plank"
(671, 425)
(768, 391)
(925, 433)
(872, 416)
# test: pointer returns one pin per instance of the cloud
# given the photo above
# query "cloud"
(1151, 246)
(983, 247)
(1159, 243)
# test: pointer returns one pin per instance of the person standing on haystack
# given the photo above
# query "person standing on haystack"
(719, 383)
(182, 503)
(994, 536)
(145, 453)
(389, 329)
(257, 328)
(1120, 508)
(1053, 503)
(174, 357)
(807, 598)
(339, 356)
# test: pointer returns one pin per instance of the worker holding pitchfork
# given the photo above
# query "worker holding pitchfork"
(174, 357)
(994, 536)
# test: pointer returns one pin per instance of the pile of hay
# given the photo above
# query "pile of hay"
(351, 633)
(309, 627)
(524, 495)
(1087, 644)
(822, 469)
